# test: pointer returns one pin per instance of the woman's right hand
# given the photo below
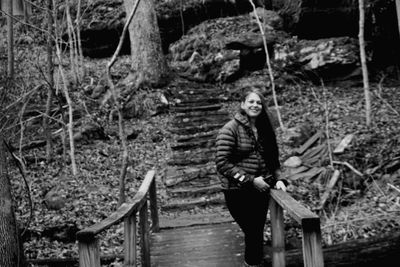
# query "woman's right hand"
(260, 184)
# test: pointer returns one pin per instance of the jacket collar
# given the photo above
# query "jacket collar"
(243, 119)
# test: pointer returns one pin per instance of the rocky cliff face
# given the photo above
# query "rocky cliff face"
(307, 19)
(316, 19)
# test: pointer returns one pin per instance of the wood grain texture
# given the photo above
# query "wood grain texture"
(219, 245)
(278, 234)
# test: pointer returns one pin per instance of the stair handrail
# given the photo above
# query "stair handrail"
(309, 221)
(88, 244)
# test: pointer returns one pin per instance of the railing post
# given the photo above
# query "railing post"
(89, 254)
(312, 250)
(153, 206)
(130, 240)
(144, 231)
(278, 234)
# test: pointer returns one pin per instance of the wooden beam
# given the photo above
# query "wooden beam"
(343, 144)
(89, 254)
(154, 207)
(123, 211)
(312, 248)
(293, 207)
(130, 241)
(144, 231)
(308, 143)
(278, 234)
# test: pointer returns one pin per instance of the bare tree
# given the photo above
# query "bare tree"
(65, 89)
(9, 249)
(148, 62)
(364, 62)
(271, 75)
(50, 79)
(79, 40)
(10, 40)
(118, 107)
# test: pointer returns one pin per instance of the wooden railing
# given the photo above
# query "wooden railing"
(312, 248)
(89, 254)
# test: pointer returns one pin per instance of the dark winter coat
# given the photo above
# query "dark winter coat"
(240, 155)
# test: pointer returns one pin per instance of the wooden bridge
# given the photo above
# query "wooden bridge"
(210, 245)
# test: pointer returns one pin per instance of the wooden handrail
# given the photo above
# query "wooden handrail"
(310, 223)
(89, 255)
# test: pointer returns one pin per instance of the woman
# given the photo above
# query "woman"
(247, 161)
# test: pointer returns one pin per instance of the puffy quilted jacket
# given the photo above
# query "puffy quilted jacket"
(239, 155)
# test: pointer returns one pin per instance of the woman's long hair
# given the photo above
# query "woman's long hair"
(266, 133)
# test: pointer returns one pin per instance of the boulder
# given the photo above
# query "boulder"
(292, 162)
(230, 71)
(210, 51)
(329, 59)
(89, 131)
(55, 199)
(268, 17)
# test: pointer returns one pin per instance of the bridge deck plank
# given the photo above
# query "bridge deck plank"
(211, 245)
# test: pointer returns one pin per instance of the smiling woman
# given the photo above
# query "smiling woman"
(248, 165)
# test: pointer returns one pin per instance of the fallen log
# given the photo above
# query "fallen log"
(309, 143)
(313, 154)
(369, 252)
(307, 174)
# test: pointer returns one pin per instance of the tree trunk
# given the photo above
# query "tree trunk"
(10, 41)
(148, 62)
(20, 7)
(364, 63)
(8, 230)
(398, 14)
(50, 80)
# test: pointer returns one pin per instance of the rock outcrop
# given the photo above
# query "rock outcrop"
(103, 21)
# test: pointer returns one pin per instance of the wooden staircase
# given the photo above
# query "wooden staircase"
(191, 179)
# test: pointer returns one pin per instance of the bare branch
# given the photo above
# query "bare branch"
(271, 75)
(349, 166)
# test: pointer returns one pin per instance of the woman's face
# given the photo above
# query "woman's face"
(252, 105)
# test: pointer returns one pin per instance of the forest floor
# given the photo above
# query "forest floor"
(359, 208)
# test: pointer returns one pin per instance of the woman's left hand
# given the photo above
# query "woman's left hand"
(280, 186)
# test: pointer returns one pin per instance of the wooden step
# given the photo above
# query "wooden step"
(196, 121)
(207, 180)
(194, 129)
(190, 203)
(196, 108)
(181, 192)
(202, 90)
(213, 215)
(185, 146)
(176, 175)
(196, 101)
(201, 113)
(194, 157)
(199, 136)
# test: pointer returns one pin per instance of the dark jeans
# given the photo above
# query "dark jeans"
(249, 208)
